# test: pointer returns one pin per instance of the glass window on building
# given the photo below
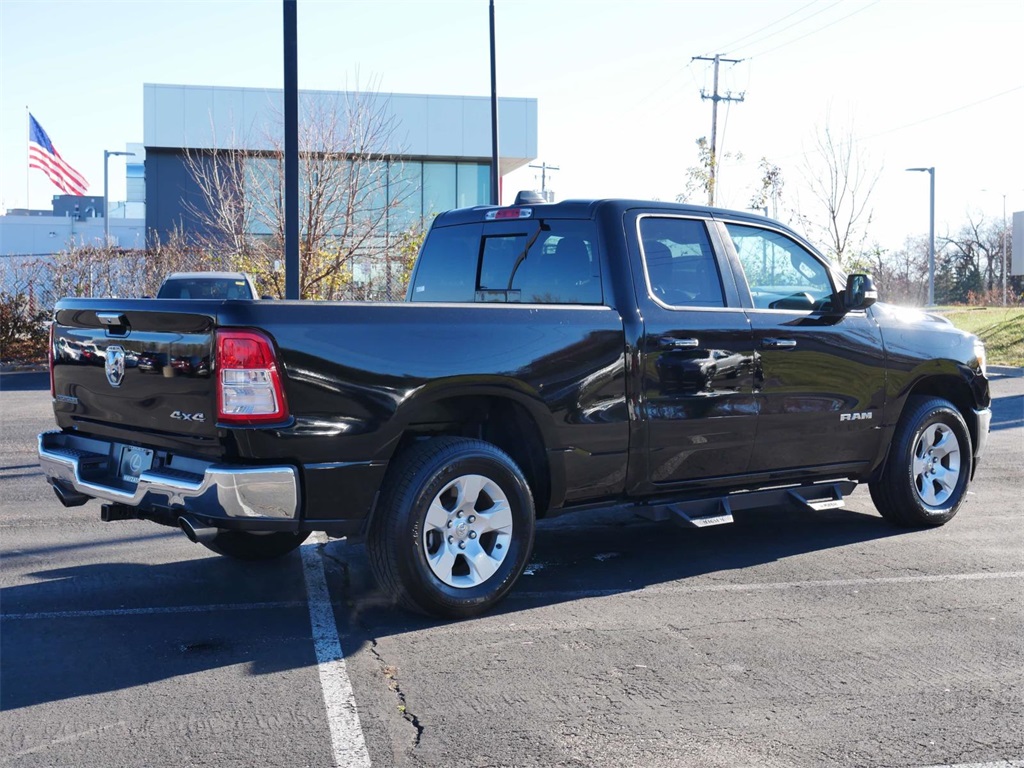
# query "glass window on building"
(372, 189)
(473, 185)
(262, 187)
(405, 195)
(438, 188)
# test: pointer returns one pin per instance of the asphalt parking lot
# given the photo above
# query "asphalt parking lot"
(790, 639)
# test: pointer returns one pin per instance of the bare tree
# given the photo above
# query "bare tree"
(841, 180)
(225, 217)
(901, 275)
(979, 244)
(351, 184)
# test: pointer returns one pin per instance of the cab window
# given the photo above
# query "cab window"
(680, 264)
(780, 273)
(529, 262)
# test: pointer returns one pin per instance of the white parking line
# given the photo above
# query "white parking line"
(996, 764)
(342, 717)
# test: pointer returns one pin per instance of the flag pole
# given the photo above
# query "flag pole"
(28, 168)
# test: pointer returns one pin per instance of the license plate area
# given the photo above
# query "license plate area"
(133, 461)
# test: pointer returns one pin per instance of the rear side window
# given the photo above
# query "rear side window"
(446, 270)
(681, 266)
(529, 262)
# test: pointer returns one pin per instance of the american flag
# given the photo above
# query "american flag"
(44, 156)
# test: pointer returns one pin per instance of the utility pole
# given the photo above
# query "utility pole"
(715, 98)
(544, 168)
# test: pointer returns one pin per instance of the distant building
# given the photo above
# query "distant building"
(444, 143)
(72, 222)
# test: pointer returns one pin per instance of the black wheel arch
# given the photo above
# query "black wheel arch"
(513, 420)
(966, 397)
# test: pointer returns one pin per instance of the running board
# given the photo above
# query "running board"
(704, 513)
(818, 498)
(722, 517)
(691, 514)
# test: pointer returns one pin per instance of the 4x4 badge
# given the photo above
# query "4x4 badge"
(115, 365)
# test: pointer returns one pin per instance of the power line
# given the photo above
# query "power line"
(770, 35)
(657, 89)
(814, 31)
(766, 26)
(942, 114)
(857, 139)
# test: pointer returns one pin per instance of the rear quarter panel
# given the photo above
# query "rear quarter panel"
(357, 375)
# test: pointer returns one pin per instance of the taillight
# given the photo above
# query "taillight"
(49, 359)
(248, 384)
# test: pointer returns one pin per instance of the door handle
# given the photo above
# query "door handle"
(673, 343)
(778, 343)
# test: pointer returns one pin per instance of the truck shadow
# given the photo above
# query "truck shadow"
(575, 559)
(104, 627)
(109, 626)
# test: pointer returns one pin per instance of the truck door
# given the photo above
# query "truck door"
(820, 379)
(696, 357)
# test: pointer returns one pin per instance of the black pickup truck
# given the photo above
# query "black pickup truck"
(686, 362)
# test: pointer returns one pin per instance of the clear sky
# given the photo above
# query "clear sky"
(925, 83)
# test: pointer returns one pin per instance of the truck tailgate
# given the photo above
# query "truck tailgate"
(140, 370)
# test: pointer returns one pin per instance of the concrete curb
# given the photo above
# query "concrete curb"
(1006, 370)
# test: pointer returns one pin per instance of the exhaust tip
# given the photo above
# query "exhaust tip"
(196, 532)
(67, 497)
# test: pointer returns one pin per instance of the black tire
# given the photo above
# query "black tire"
(413, 543)
(925, 478)
(242, 545)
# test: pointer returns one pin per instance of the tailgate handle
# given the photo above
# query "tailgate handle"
(112, 318)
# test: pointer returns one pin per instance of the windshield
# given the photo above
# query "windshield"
(204, 288)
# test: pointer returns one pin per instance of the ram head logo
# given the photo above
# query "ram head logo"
(115, 365)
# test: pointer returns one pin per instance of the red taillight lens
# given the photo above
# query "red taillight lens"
(248, 384)
(49, 359)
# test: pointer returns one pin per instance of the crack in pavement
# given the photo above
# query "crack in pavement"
(391, 673)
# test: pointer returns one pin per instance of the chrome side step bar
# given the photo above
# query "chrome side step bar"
(704, 513)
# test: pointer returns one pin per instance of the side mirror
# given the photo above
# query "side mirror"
(860, 292)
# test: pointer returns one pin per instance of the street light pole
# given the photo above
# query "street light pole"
(931, 234)
(106, 199)
(1006, 255)
(1004, 249)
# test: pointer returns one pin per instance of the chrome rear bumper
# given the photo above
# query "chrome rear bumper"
(88, 466)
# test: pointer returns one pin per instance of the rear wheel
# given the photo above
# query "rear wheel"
(454, 527)
(925, 478)
(244, 545)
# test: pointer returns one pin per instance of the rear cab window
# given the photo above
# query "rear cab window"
(526, 261)
(679, 262)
